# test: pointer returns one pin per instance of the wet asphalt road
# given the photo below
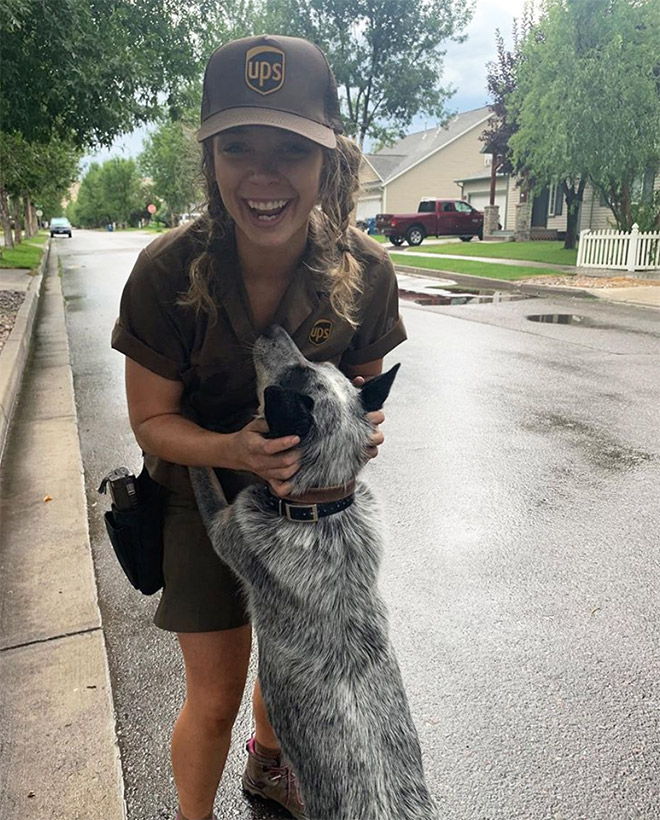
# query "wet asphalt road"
(520, 483)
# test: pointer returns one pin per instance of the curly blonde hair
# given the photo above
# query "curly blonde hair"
(334, 264)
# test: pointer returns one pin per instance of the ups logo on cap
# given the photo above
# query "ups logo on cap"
(320, 333)
(264, 69)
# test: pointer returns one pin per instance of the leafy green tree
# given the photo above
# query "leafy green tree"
(172, 159)
(92, 69)
(33, 171)
(501, 83)
(112, 192)
(122, 191)
(587, 100)
(89, 211)
(386, 55)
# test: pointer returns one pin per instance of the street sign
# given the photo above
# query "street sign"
(39, 213)
(152, 208)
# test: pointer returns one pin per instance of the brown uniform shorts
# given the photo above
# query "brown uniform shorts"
(201, 594)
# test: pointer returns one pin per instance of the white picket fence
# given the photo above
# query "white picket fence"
(621, 251)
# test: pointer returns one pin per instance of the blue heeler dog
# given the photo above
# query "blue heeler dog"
(329, 677)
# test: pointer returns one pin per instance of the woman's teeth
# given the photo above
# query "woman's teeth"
(267, 210)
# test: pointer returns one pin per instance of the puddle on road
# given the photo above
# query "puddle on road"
(559, 319)
(461, 296)
(586, 321)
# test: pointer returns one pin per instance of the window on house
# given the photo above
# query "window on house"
(556, 200)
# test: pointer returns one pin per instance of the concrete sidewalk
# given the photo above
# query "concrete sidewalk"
(60, 757)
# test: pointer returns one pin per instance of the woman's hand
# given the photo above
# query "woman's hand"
(272, 459)
(376, 418)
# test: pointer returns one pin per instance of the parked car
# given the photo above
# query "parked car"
(60, 225)
(434, 217)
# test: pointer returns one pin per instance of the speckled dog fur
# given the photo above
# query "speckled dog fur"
(329, 677)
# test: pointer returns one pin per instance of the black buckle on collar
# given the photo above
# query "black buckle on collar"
(299, 512)
(306, 513)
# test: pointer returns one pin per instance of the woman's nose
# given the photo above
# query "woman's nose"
(264, 166)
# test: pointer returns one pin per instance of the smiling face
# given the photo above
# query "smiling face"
(269, 182)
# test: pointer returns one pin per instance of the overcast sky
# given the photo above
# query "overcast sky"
(465, 69)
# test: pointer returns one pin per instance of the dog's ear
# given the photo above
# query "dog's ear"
(287, 412)
(374, 392)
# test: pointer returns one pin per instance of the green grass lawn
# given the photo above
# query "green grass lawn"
(552, 253)
(26, 255)
(488, 270)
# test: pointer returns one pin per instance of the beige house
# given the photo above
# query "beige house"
(548, 218)
(423, 164)
(450, 162)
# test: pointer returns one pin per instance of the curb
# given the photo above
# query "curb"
(486, 283)
(14, 355)
(57, 701)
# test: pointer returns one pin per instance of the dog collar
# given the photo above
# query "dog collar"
(305, 508)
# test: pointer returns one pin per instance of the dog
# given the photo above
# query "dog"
(328, 673)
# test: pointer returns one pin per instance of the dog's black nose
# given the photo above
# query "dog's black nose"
(270, 331)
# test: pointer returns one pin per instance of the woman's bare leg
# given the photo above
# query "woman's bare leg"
(216, 669)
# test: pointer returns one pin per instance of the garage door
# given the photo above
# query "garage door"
(479, 201)
(368, 207)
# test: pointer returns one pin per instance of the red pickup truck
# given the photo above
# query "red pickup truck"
(434, 217)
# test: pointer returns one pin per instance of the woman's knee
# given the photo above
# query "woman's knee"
(216, 666)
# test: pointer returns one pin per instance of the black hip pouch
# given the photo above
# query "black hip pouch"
(135, 526)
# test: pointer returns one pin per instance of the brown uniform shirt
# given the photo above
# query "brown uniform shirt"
(213, 360)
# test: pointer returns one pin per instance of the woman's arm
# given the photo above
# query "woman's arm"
(154, 408)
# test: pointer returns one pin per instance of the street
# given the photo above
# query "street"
(519, 481)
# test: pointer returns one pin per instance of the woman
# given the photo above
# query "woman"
(275, 247)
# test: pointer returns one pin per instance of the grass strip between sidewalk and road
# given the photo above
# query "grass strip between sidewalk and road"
(26, 255)
(488, 270)
(550, 252)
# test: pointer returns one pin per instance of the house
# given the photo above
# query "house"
(548, 207)
(450, 162)
(427, 163)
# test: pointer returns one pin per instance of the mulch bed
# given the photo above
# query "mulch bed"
(10, 302)
(579, 281)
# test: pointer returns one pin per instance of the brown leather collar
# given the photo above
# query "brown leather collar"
(316, 503)
(320, 495)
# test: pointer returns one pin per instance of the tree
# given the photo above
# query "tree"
(110, 61)
(112, 192)
(501, 83)
(121, 187)
(586, 101)
(33, 171)
(386, 55)
(172, 158)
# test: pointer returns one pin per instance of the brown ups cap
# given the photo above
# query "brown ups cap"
(284, 82)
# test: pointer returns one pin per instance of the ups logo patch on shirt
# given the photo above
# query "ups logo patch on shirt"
(320, 333)
(264, 69)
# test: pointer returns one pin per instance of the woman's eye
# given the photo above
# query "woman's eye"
(294, 149)
(233, 148)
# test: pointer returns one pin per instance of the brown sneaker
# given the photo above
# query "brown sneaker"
(272, 779)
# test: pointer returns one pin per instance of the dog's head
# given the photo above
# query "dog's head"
(318, 403)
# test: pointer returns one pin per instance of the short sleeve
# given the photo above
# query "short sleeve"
(147, 330)
(381, 328)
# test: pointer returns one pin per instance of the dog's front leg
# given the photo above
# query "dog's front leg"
(209, 494)
(220, 524)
